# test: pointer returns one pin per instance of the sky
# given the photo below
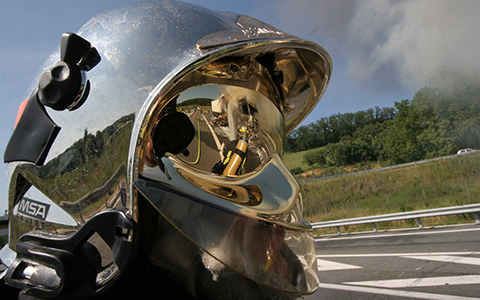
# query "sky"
(383, 51)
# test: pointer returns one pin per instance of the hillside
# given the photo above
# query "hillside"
(442, 183)
(442, 118)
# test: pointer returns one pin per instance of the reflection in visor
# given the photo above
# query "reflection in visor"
(222, 130)
(268, 254)
(229, 192)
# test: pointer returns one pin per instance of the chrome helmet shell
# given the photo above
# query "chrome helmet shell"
(142, 168)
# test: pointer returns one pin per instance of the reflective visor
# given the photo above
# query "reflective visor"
(218, 129)
(212, 168)
(264, 252)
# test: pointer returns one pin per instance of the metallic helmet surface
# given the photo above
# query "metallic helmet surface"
(120, 157)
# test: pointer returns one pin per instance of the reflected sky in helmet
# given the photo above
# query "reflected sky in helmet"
(205, 91)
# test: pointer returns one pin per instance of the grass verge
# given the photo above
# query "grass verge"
(435, 184)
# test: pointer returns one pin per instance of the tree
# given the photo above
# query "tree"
(449, 110)
(374, 136)
(332, 129)
(401, 142)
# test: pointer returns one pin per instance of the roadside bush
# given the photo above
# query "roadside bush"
(296, 170)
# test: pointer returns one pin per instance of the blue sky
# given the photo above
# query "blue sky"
(382, 51)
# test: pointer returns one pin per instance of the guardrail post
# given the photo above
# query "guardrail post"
(467, 190)
(420, 225)
(374, 227)
(338, 230)
(475, 215)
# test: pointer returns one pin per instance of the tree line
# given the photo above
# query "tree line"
(442, 117)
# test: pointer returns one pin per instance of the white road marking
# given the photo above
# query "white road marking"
(420, 282)
(387, 287)
(326, 265)
(407, 294)
(449, 259)
(215, 137)
(381, 235)
(399, 254)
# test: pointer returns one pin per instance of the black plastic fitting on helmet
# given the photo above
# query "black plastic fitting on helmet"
(59, 88)
(51, 267)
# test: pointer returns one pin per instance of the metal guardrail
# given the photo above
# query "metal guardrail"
(419, 214)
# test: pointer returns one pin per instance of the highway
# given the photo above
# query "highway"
(440, 263)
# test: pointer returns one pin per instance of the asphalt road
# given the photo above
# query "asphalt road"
(432, 263)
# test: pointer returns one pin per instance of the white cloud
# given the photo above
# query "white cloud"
(389, 44)
(410, 40)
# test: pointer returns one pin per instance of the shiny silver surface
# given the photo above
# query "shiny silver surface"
(149, 58)
(7, 255)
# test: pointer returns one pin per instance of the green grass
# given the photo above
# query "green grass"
(294, 162)
(302, 170)
(436, 184)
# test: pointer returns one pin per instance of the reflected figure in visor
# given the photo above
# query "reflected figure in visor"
(162, 170)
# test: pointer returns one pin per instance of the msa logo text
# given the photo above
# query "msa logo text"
(33, 209)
